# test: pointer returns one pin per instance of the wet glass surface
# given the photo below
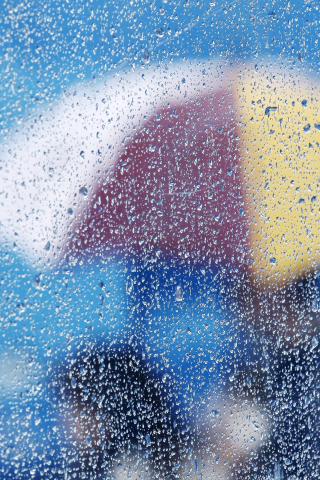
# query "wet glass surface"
(159, 245)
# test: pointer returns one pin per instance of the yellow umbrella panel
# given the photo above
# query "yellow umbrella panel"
(280, 131)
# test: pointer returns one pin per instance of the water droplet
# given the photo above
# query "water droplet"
(159, 32)
(73, 383)
(307, 128)
(82, 154)
(301, 200)
(146, 56)
(317, 126)
(47, 246)
(314, 343)
(70, 211)
(152, 148)
(304, 103)
(214, 413)
(83, 191)
(268, 110)
(165, 378)
(148, 439)
(37, 280)
(129, 286)
(179, 295)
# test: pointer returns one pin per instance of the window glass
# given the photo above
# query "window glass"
(159, 240)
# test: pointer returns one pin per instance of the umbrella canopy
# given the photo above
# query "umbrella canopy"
(195, 161)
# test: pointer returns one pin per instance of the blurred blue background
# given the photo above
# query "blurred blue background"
(46, 46)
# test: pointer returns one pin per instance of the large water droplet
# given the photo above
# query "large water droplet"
(83, 191)
(179, 294)
(159, 32)
(314, 343)
(73, 383)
